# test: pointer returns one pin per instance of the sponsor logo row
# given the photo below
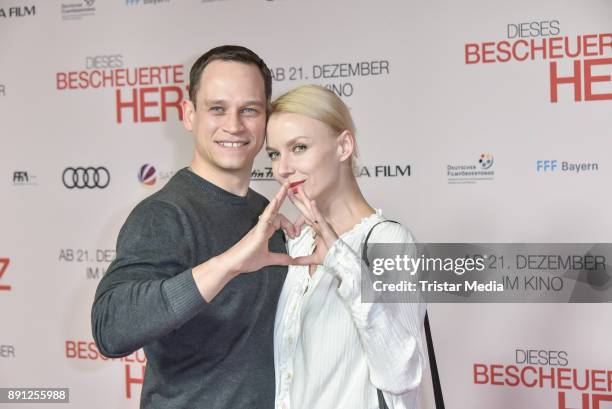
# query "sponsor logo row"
(90, 177)
(78, 10)
(478, 170)
(99, 177)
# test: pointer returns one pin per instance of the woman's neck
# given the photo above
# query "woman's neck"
(346, 207)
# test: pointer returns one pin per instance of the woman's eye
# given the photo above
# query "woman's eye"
(272, 155)
(299, 148)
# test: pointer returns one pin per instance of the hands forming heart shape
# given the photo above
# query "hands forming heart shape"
(324, 234)
(251, 253)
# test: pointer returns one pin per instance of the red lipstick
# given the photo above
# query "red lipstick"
(293, 186)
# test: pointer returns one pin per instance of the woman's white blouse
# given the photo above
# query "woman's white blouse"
(331, 351)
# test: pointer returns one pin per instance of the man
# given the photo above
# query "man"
(176, 287)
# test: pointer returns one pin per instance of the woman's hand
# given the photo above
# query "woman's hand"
(325, 236)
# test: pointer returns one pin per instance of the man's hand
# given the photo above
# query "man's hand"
(251, 252)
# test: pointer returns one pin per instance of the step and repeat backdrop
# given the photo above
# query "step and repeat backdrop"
(477, 121)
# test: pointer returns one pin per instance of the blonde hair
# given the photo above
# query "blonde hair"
(318, 103)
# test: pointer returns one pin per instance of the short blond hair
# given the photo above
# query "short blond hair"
(317, 102)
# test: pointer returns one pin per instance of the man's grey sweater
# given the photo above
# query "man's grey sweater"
(213, 355)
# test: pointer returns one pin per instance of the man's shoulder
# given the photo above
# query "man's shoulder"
(154, 209)
(171, 199)
(176, 189)
(257, 200)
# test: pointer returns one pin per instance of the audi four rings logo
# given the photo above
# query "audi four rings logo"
(86, 178)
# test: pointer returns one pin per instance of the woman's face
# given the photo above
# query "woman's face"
(305, 153)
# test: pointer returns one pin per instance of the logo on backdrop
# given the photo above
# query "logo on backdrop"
(133, 368)
(485, 161)
(262, 174)
(104, 61)
(543, 369)
(4, 263)
(2, 90)
(24, 178)
(474, 172)
(372, 171)
(144, 2)
(7, 351)
(148, 175)
(86, 178)
(12, 12)
(566, 167)
(384, 171)
(580, 64)
(77, 11)
(141, 94)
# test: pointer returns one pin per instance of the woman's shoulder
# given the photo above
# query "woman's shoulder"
(386, 231)
(383, 230)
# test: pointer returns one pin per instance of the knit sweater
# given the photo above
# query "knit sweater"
(209, 355)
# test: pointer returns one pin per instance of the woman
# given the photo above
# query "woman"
(331, 350)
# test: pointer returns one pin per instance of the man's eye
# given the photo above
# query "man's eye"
(299, 148)
(216, 109)
(249, 110)
(272, 155)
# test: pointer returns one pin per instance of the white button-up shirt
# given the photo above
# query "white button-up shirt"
(332, 351)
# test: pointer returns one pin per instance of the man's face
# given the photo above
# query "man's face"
(229, 121)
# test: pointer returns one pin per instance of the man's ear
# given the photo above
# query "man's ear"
(346, 145)
(188, 114)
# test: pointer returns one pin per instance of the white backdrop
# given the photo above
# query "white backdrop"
(419, 104)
